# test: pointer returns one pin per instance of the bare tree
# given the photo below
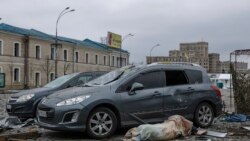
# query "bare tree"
(47, 67)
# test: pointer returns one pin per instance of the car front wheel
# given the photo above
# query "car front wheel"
(204, 115)
(102, 123)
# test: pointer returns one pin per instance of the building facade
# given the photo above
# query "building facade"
(214, 62)
(28, 57)
(196, 52)
(240, 66)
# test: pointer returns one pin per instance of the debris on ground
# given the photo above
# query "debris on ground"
(247, 128)
(24, 133)
(13, 123)
(172, 128)
(236, 118)
(216, 134)
(12, 128)
(200, 131)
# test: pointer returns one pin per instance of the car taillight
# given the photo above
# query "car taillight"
(217, 90)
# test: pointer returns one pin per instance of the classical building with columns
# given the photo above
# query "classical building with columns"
(28, 57)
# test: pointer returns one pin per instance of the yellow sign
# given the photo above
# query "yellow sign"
(114, 40)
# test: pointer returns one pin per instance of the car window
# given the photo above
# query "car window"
(85, 79)
(175, 77)
(194, 76)
(149, 80)
(60, 81)
(113, 75)
(81, 80)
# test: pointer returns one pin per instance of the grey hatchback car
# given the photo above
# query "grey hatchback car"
(24, 104)
(133, 95)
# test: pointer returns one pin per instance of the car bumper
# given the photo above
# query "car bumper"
(64, 118)
(63, 127)
(21, 110)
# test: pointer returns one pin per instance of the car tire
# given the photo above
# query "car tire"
(204, 115)
(101, 123)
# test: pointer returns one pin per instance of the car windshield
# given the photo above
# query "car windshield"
(112, 76)
(60, 81)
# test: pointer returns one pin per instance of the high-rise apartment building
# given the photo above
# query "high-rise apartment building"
(214, 62)
(196, 52)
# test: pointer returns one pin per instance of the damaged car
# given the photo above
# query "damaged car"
(24, 104)
(130, 96)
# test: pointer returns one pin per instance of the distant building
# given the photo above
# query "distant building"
(240, 66)
(196, 52)
(214, 63)
(27, 56)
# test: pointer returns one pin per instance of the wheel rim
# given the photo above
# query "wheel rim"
(101, 123)
(205, 115)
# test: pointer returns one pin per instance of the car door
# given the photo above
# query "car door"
(177, 93)
(145, 104)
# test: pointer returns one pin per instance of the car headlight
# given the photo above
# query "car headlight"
(24, 98)
(73, 101)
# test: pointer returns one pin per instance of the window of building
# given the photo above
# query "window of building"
(1, 47)
(37, 79)
(17, 50)
(96, 59)
(117, 61)
(104, 60)
(16, 75)
(65, 55)
(52, 76)
(53, 53)
(113, 61)
(109, 60)
(87, 58)
(175, 77)
(38, 51)
(76, 57)
(125, 61)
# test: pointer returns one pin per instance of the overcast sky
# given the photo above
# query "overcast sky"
(224, 24)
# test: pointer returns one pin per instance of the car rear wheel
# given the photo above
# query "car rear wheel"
(102, 123)
(204, 115)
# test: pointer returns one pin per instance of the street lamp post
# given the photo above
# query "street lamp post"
(126, 36)
(65, 11)
(151, 51)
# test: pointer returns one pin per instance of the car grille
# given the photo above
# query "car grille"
(50, 114)
(46, 120)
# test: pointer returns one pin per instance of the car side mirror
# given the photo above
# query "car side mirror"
(135, 86)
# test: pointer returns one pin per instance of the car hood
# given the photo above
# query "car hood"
(32, 91)
(74, 92)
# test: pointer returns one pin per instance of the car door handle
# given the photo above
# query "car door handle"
(156, 94)
(190, 89)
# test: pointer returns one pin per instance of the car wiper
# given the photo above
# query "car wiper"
(85, 85)
(116, 78)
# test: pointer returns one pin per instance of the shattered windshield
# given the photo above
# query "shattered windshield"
(60, 81)
(112, 76)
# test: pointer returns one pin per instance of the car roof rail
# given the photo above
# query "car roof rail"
(178, 63)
